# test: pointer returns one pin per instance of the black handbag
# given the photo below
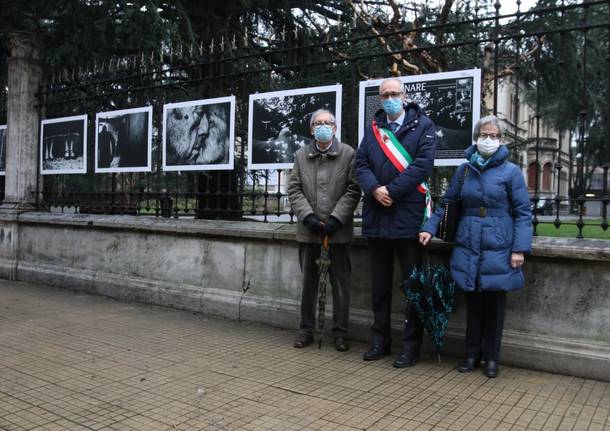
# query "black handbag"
(451, 214)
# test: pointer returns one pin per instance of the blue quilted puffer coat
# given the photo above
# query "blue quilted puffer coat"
(496, 221)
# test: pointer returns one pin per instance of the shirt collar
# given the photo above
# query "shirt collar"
(399, 120)
(331, 151)
(320, 149)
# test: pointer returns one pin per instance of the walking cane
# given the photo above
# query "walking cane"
(323, 265)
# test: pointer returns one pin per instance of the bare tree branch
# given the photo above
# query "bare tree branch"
(440, 32)
(509, 69)
(408, 43)
(371, 23)
(395, 22)
(362, 76)
(318, 28)
(317, 8)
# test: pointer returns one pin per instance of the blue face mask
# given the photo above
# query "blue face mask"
(392, 106)
(323, 133)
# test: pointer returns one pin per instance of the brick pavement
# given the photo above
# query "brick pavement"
(71, 361)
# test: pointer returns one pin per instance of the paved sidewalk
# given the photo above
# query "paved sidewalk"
(71, 361)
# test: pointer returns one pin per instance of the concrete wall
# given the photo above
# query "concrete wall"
(249, 271)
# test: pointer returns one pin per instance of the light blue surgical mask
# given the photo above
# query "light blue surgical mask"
(323, 133)
(392, 106)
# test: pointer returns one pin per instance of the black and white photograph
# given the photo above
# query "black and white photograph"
(123, 140)
(451, 99)
(3, 150)
(278, 123)
(199, 135)
(63, 145)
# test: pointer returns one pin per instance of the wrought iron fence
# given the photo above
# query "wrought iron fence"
(510, 50)
(3, 121)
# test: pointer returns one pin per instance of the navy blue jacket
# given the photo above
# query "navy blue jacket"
(373, 169)
(496, 221)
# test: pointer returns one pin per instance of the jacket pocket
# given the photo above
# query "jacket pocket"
(461, 234)
(502, 230)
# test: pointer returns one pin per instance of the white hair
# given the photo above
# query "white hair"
(484, 121)
(398, 81)
(319, 112)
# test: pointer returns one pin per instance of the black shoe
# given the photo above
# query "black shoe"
(468, 365)
(375, 352)
(491, 369)
(341, 343)
(304, 339)
(405, 360)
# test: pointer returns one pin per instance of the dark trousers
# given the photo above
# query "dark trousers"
(485, 322)
(382, 267)
(339, 277)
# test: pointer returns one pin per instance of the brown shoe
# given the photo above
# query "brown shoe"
(304, 339)
(341, 343)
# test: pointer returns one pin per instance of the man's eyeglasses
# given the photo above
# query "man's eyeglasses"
(392, 94)
(489, 135)
(323, 123)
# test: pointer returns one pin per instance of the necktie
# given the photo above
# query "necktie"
(393, 126)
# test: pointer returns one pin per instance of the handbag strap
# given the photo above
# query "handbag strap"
(462, 178)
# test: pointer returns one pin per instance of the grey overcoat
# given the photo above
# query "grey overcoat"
(324, 184)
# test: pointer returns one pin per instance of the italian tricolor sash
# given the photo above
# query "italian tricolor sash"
(401, 159)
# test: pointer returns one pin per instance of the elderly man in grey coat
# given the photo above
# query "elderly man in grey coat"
(324, 194)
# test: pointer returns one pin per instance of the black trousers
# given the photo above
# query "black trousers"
(382, 253)
(339, 276)
(485, 322)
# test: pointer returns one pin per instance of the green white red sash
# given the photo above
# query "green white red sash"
(401, 159)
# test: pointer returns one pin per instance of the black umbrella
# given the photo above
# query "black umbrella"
(430, 290)
(323, 263)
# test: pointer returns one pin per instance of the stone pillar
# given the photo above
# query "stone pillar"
(23, 122)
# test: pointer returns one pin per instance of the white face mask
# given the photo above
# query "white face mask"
(487, 146)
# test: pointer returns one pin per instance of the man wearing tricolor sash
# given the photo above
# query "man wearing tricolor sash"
(393, 163)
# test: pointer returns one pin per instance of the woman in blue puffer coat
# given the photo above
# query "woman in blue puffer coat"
(493, 234)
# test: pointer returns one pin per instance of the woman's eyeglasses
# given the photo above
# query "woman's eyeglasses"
(489, 135)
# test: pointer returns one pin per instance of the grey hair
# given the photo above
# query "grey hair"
(402, 85)
(484, 121)
(319, 112)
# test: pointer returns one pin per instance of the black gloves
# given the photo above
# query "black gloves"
(313, 224)
(332, 226)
